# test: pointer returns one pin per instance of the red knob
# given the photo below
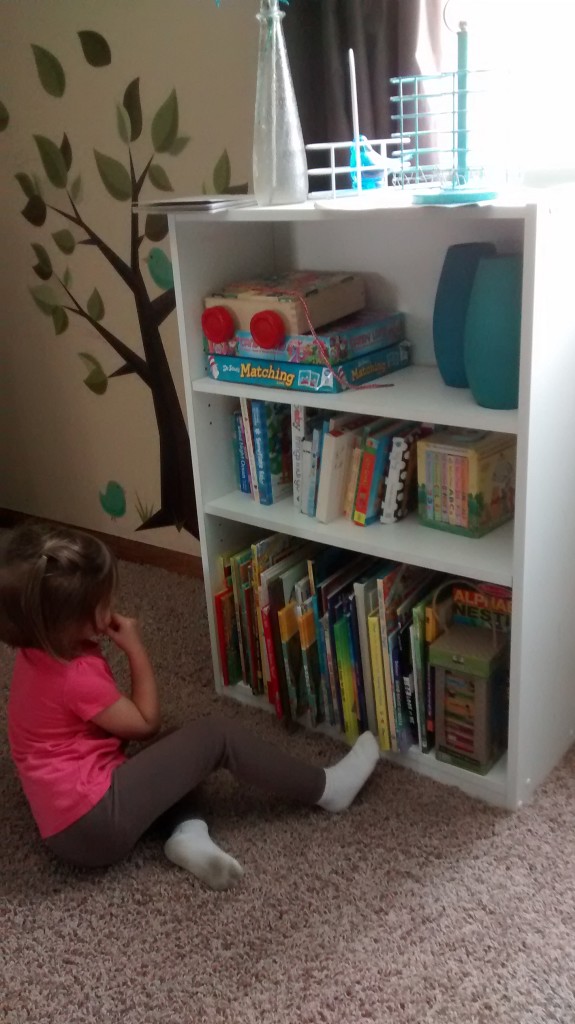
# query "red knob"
(267, 329)
(218, 324)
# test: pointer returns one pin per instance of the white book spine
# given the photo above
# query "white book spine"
(250, 447)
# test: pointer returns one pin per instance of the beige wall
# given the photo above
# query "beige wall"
(60, 444)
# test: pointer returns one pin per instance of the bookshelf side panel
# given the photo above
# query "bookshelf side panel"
(542, 720)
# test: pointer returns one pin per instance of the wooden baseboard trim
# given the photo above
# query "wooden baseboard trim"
(123, 547)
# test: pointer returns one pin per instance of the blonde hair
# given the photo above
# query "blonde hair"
(52, 580)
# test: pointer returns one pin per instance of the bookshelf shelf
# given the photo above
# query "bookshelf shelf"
(417, 393)
(488, 558)
(399, 250)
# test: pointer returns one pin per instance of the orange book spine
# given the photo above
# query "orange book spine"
(365, 478)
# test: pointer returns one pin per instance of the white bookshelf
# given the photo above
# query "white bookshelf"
(400, 251)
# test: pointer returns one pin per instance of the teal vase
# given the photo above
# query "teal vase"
(493, 332)
(450, 309)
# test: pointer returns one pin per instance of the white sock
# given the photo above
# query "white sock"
(344, 781)
(191, 848)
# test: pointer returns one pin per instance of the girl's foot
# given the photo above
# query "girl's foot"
(191, 848)
(344, 781)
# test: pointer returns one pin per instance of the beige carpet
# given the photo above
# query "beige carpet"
(418, 905)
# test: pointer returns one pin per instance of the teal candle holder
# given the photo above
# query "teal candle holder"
(493, 332)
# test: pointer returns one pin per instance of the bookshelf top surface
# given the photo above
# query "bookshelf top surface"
(386, 203)
(418, 393)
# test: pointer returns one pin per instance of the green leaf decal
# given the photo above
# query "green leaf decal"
(237, 190)
(159, 178)
(67, 279)
(50, 71)
(66, 151)
(41, 272)
(123, 123)
(113, 500)
(35, 211)
(133, 108)
(76, 189)
(156, 227)
(114, 176)
(165, 125)
(95, 305)
(180, 144)
(65, 240)
(222, 173)
(96, 380)
(43, 258)
(26, 184)
(52, 160)
(96, 49)
(45, 298)
(4, 117)
(60, 319)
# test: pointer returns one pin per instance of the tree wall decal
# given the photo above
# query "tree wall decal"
(123, 181)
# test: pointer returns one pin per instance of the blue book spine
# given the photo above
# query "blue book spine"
(356, 662)
(380, 468)
(261, 451)
(241, 457)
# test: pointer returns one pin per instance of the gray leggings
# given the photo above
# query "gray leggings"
(163, 774)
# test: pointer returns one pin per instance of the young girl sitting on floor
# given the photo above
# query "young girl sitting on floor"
(68, 723)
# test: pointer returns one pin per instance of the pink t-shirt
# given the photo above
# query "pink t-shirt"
(64, 761)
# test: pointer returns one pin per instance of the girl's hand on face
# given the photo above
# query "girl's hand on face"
(125, 633)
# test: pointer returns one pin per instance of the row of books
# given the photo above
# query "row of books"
(333, 636)
(339, 464)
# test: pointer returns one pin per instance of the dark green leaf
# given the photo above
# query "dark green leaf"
(180, 144)
(222, 173)
(4, 117)
(35, 211)
(133, 108)
(96, 380)
(96, 49)
(76, 189)
(45, 298)
(95, 305)
(37, 185)
(60, 319)
(50, 71)
(26, 184)
(159, 178)
(123, 123)
(165, 125)
(114, 176)
(52, 160)
(67, 279)
(156, 227)
(66, 151)
(237, 190)
(42, 257)
(65, 240)
(42, 272)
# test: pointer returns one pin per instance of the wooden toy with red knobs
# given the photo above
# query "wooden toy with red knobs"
(274, 308)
